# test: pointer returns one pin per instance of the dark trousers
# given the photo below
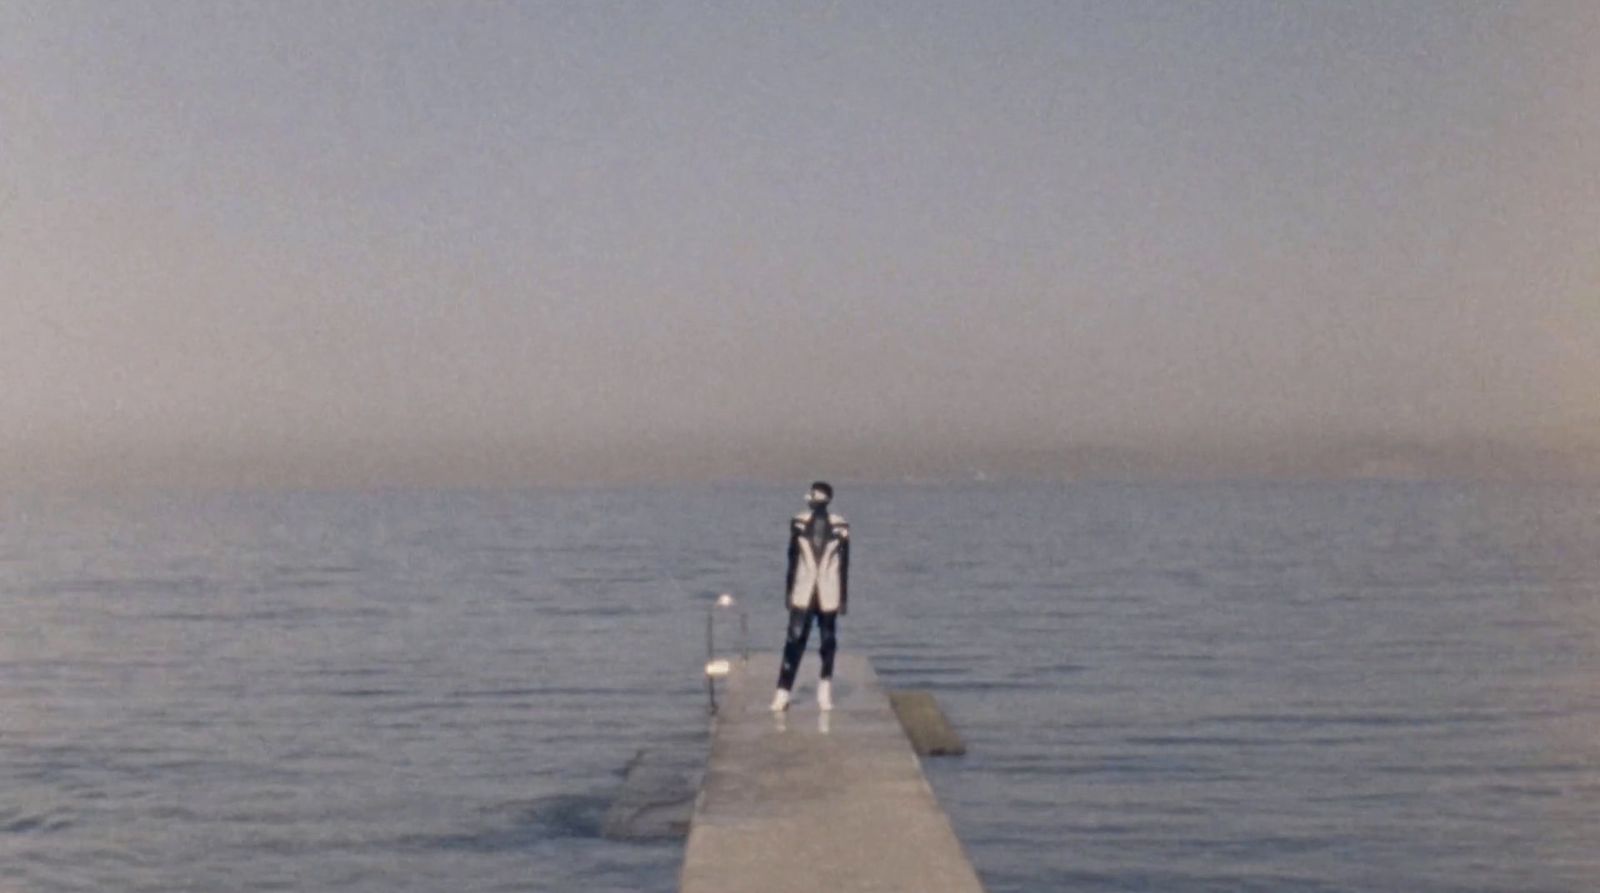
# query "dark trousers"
(795, 646)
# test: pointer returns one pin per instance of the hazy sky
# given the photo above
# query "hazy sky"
(378, 242)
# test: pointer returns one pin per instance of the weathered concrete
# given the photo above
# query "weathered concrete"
(930, 732)
(808, 801)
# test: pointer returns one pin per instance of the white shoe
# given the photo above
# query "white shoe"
(825, 694)
(780, 701)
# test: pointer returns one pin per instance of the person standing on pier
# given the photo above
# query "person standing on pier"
(817, 588)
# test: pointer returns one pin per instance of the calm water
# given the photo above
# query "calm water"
(1362, 687)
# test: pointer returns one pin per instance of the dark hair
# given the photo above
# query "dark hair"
(824, 486)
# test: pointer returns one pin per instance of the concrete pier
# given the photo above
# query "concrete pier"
(808, 801)
(930, 733)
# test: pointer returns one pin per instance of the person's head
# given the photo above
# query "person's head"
(821, 494)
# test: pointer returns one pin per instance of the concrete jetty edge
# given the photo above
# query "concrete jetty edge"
(811, 800)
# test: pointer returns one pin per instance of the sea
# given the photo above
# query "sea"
(1222, 686)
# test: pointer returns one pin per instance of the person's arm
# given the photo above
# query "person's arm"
(844, 571)
(794, 559)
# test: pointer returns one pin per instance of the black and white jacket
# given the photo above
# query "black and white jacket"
(821, 577)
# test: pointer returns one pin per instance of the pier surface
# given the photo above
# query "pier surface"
(809, 801)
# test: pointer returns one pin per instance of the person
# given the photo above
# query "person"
(817, 588)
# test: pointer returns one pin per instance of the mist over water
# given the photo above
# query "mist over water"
(1323, 687)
